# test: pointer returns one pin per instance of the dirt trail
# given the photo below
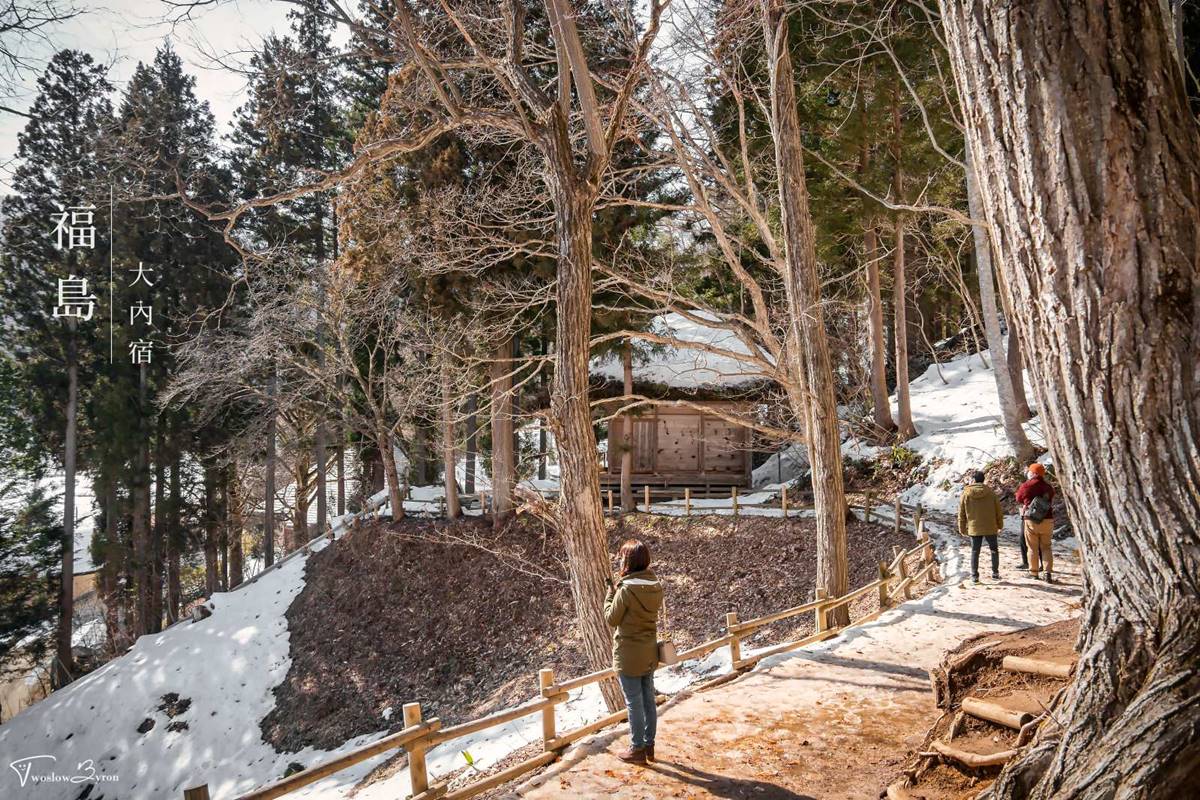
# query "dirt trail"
(832, 721)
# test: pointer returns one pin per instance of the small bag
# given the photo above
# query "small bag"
(1039, 509)
(667, 654)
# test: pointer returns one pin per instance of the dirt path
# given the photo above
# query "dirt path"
(831, 721)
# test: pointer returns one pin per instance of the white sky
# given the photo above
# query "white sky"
(121, 33)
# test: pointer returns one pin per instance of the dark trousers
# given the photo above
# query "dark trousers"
(976, 545)
(1024, 547)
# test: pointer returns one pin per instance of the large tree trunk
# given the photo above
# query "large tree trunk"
(472, 443)
(269, 476)
(904, 421)
(211, 523)
(387, 453)
(236, 525)
(806, 318)
(580, 511)
(879, 393)
(175, 540)
(449, 451)
(158, 540)
(1089, 166)
(223, 530)
(1016, 369)
(628, 504)
(341, 474)
(1016, 363)
(64, 661)
(322, 459)
(504, 468)
(1009, 416)
(143, 551)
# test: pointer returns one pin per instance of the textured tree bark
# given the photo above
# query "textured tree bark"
(143, 555)
(322, 460)
(449, 451)
(472, 443)
(1089, 166)
(503, 460)
(879, 393)
(175, 540)
(905, 428)
(628, 504)
(580, 512)
(806, 318)
(904, 421)
(236, 526)
(64, 660)
(269, 477)
(1009, 416)
(159, 534)
(341, 474)
(1016, 369)
(210, 529)
(223, 529)
(391, 474)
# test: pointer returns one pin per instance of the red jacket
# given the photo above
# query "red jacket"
(1035, 487)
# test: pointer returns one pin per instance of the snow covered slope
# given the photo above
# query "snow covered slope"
(957, 414)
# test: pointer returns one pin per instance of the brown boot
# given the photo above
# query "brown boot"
(649, 750)
(634, 755)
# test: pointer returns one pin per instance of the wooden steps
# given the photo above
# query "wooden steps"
(1060, 667)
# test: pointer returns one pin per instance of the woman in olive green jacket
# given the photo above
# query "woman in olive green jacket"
(631, 608)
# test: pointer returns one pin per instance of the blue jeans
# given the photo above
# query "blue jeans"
(643, 714)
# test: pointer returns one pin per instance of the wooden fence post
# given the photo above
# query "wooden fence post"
(883, 586)
(610, 501)
(196, 793)
(783, 501)
(735, 644)
(687, 501)
(822, 622)
(545, 681)
(902, 572)
(897, 515)
(870, 505)
(647, 487)
(735, 503)
(417, 773)
(482, 503)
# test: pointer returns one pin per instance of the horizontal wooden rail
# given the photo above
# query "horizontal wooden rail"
(850, 597)
(313, 774)
(758, 622)
(494, 720)
(584, 680)
(502, 777)
(820, 636)
(704, 649)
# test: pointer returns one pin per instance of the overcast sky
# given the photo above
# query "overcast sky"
(121, 33)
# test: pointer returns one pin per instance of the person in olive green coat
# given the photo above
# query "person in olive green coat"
(631, 608)
(980, 517)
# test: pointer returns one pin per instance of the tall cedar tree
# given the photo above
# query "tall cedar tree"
(58, 170)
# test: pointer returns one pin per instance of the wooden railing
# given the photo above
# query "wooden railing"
(419, 735)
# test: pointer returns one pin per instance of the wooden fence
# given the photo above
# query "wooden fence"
(419, 735)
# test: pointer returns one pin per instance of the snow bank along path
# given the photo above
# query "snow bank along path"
(831, 720)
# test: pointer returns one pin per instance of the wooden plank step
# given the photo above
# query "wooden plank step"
(1058, 668)
(973, 760)
(997, 712)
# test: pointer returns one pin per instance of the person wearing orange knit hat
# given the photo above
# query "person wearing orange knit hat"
(1036, 496)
